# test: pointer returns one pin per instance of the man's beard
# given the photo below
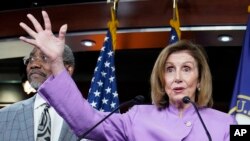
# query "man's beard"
(35, 84)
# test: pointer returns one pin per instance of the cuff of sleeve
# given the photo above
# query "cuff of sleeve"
(62, 94)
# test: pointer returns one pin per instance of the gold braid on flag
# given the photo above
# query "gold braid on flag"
(248, 10)
(175, 22)
(113, 26)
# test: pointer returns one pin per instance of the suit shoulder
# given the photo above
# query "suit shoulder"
(144, 109)
(16, 106)
(217, 115)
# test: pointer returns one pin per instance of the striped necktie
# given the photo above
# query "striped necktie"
(44, 127)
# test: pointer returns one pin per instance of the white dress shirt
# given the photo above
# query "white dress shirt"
(56, 120)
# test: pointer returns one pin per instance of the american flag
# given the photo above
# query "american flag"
(175, 33)
(173, 36)
(103, 94)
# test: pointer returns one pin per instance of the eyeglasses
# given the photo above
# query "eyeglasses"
(28, 60)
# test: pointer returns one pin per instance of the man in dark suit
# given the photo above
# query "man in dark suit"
(19, 121)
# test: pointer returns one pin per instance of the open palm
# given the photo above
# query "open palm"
(44, 39)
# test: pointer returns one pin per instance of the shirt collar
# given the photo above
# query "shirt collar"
(39, 101)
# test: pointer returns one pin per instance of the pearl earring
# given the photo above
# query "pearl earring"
(199, 89)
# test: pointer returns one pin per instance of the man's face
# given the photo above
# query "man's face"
(38, 68)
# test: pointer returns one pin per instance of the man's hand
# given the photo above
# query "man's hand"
(45, 40)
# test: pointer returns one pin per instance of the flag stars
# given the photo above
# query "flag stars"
(102, 93)
(110, 53)
(111, 79)
(105, 101)
(100, 83)
(106, 39)
(173, 37)
(93, 79)
(113, 105)
(99, 59)
(97, 93)
(107, 64)
(103, 48)
(103, 74)
(96, 69)
(101, 109)
(115, 94)
(108, 90)
(93, 104)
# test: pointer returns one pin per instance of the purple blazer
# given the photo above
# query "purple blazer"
(140, 123)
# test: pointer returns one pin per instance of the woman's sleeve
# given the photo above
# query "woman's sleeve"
(62, 93)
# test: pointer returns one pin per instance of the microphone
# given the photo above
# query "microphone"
(187, 100)
(137, 100)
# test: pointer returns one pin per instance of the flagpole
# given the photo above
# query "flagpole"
(115, 5)
(113, 23)
(174, 13)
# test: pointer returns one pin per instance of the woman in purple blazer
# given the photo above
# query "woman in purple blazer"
(181, 70)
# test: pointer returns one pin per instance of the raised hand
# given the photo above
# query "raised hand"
(45, 40)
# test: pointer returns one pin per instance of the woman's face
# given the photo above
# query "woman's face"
(181, 76)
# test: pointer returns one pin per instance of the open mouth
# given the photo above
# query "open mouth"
(178, 89)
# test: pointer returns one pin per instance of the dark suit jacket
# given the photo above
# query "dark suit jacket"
(17, 123)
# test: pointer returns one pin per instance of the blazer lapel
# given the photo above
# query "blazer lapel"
(26, 119)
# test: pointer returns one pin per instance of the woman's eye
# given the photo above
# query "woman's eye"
(169, 69)
(187, 68)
